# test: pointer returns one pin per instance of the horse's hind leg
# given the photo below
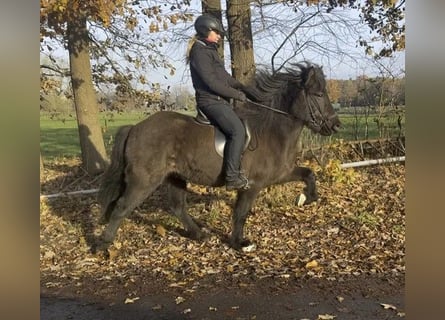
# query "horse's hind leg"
(242, 208)
(135, 192)
(177, 194)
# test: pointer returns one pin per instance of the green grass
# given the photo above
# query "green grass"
(59, 135)
(354, 128)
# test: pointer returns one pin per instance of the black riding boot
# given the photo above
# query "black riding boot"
(237, 182)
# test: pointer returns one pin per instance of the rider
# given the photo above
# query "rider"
(214, 87)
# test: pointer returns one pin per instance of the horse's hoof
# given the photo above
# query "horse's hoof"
(250, 248)
(198, 236)
(202, 236)
(300, 200)
(103, 220)
(244, 245)
(100, 246)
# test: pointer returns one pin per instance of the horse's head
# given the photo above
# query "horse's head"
(312, 105)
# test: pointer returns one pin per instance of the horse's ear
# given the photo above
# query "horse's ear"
(310, 77)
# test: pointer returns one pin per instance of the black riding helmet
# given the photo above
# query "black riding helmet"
(206, 23)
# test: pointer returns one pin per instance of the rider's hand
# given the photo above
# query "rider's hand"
(241, 97)
(253, 94)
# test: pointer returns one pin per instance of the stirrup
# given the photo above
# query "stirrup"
(242, 183)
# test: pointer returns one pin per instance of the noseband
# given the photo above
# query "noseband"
(314, 108)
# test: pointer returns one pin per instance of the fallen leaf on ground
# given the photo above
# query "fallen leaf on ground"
(312, 264)
(131, 300)
(179, 300)
(388, 306)
(160, 230)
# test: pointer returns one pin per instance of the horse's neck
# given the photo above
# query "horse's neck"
(286, 136)
(293, 139)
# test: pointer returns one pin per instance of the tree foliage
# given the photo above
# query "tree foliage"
(385, 18)
(367, 91)
(125, 40)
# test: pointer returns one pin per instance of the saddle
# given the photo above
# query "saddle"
(220, 138)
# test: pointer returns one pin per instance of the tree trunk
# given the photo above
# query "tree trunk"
(94, 158)
(241, 43)
(213, 7)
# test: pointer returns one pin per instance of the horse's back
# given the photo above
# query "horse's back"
(170, 134)
(166, 117)
(161, 124)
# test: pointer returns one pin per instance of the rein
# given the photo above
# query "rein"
(270, 108)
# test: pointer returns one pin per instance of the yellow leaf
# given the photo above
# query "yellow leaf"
(117, 245)
(160, 230)
(312, 264)
(112, 254)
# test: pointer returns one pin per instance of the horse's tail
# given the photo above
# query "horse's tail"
(112, 184)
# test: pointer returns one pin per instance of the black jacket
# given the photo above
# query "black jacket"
(211, 81)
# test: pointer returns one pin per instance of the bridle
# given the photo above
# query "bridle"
(313, 109)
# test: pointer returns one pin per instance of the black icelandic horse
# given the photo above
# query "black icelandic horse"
(169, 147)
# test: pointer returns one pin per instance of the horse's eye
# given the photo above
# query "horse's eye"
(319, 94)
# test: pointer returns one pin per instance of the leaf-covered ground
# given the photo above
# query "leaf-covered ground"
(356, 228)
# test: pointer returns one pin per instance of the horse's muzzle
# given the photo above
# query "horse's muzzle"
(331, 126)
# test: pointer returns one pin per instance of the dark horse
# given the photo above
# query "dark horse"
(172, 148)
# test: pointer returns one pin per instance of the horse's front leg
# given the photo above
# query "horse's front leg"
(308, 177)
(241, 210)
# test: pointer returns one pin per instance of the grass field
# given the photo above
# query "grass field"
(59, 135)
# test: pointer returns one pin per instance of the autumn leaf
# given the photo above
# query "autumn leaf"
(131, 300)
(388, 306)
(161, 230)
(311, 264)
(179, 300)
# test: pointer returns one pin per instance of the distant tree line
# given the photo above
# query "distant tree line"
(360, 92)
(365, 91)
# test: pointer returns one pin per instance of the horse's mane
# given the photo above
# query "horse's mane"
(278, 90)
